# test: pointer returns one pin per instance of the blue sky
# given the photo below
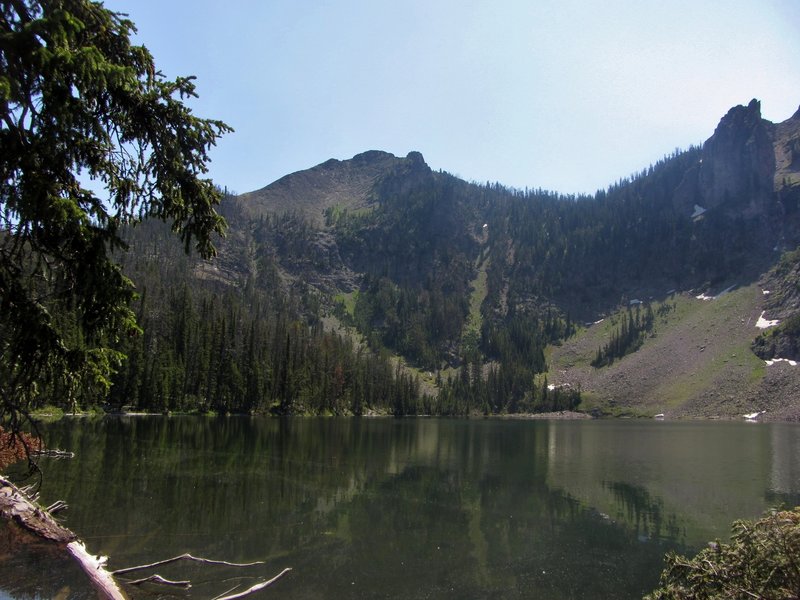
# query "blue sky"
(565, 95)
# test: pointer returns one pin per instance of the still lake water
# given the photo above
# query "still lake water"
(402, 508)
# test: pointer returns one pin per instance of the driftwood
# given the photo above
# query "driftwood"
(52, 453)
(206, 561)
(57, 507)
(95, 568)
(187, 584)
(256, 587)
(159, 579)
(17, 506)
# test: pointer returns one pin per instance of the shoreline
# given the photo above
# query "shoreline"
(546, 416)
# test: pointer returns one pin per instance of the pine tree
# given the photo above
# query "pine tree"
(79, 97)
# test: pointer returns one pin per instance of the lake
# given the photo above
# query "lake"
(401, 508)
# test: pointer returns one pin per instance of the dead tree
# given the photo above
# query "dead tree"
(17, 506)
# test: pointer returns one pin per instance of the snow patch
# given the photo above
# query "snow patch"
(763, 323)
(754, 415)
(552, 386)
(704, 296)
(766, 292)
(792, 363)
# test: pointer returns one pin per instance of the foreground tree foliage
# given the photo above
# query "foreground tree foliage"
(762, 561)
(82, 108)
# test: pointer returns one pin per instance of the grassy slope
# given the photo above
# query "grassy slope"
(697, 362)
(480, 290)
(478, 295)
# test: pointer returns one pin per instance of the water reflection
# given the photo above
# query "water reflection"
(705, 472)
(644, 513)
(785, 465)
(414, 508)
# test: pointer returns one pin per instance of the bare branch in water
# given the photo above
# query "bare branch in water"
(186, 556)
(256, 587)
(160, 580)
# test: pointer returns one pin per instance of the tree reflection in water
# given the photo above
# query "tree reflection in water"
(360, 508)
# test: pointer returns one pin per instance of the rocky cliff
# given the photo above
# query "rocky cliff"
(749, 168)
(738, 163)
(787, 175)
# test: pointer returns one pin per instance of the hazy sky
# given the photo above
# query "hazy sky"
(566, 95)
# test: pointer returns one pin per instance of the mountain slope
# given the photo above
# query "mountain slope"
(697, 361)
(471, 285)
(410, 250)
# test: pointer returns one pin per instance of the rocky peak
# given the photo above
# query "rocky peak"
(738, 161)
(371, 157)
(343, 183)
(415, 158)
(409, 174)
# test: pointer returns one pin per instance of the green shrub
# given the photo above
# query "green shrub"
(762, 561)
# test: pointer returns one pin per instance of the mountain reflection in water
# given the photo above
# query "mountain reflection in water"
(411, 508)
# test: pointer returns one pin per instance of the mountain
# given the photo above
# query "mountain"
(482, 296)
(344, 183)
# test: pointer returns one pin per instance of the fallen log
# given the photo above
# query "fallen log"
(95, 568)
(17, 506)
